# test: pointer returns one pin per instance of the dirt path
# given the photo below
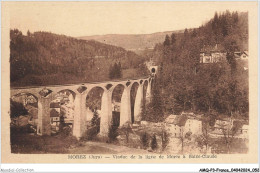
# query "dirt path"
(104, 148)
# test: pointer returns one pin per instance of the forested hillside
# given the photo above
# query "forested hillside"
(189, 85)
(43, 58)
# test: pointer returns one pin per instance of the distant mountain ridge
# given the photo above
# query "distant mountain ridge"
(132, 41)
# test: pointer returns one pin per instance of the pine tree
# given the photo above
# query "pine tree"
(119, 70)
(165, 139)
(186, 32)
(28, 33)
(194, 33)
(154, 110)
(115, 71)
(111, 72)
(143, 112)
(115, 68)
(167, 41)
(145, 140)
(173, 39)
(17, 109)
(112, 133)
(95, 119)
(154, 142)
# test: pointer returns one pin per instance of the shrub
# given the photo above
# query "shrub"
(90, 134)
(126, 129)
(112, 133)
(23, 129)
(188, 135)
(66, 131)
(17, 109)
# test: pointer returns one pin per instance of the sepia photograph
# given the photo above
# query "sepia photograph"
(103, 81)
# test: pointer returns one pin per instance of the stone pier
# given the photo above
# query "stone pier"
(44, 127)
(125, 107)
(106, 112)
(138, 102)
(79, 115)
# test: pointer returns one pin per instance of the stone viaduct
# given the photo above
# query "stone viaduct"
(45, 94)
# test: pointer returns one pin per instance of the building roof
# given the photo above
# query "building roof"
(207, 54)
(246, 52)
(245, 127)
(237, 54)
(216, 48)
(170, 119)
(181, 120)
(54, 113)
(55, 105)
(191, 115)
(237, 124)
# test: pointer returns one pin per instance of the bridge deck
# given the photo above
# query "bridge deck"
(82, 83)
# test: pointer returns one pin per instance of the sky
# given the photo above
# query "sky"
(98, 18)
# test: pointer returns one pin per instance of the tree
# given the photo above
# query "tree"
(173, 39)
(62, 121)
(204, 138)
(231, 46)
(165, 139)
(186, 32)
(143, 112)
(235, 17)
(119, 70)
(112, 72)
(215, 25)
(167, 41)
(183, 137)
(17, 109)
(145, 140)
(194, 33)
(95, 121)
(28, 33)
(154, 142)
(229, 133)
(115, 71)
(154, 110)
(112, 132)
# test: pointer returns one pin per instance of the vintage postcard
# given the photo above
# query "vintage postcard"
(129, 82)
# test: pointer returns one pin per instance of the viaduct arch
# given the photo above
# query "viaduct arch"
(45, 94)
